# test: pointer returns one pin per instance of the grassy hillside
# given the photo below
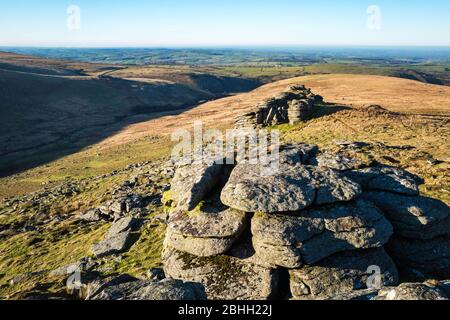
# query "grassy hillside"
(136, 142)
(434, 73)
(411, 140)
(49, 109)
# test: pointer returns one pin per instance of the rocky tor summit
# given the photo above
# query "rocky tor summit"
(313, 230)
(323, 227)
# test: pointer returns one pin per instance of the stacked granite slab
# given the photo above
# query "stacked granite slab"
(299, 110)
(318, 224)
(293, 105)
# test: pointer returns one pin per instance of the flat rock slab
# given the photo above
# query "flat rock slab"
(311, 235)
(224, 277)
(192, 183)
(291, 188)
(168, 289)
(249, 190)
(210, 221)
(120, 226)
(202, 247)
(112, 245)
(419, 260)
(343, 273)
(413, 217)
(385, 178)
(93, 215)
(117, 239)
(336, 161)
(412, 291)
(211, 229)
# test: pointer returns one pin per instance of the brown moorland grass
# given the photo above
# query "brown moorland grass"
(394, 94)
(149, 139)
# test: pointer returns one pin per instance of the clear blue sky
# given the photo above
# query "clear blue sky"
(223, 22)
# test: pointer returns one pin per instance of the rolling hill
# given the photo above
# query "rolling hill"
(51, 108)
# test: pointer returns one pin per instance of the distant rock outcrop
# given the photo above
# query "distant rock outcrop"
(294, 105)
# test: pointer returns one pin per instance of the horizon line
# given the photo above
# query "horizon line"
(225, 46)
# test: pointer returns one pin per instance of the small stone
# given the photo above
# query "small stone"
(66, 270)
(336, 161)
(202, 247)
(297, 153)
(209, 221)
(156, 274)
(25, 277)
(93, 215)
(333, 187)
(120, 226)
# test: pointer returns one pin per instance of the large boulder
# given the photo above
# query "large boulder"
(224, 277)
(343, 273)
(412, 291)
(291, 188)
(192, 183)
(311, 235)
(248, 189)
(167, 289)
(419, 260)
(413, 217)
(386, 178)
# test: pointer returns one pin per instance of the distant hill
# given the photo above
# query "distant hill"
(50, 108)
